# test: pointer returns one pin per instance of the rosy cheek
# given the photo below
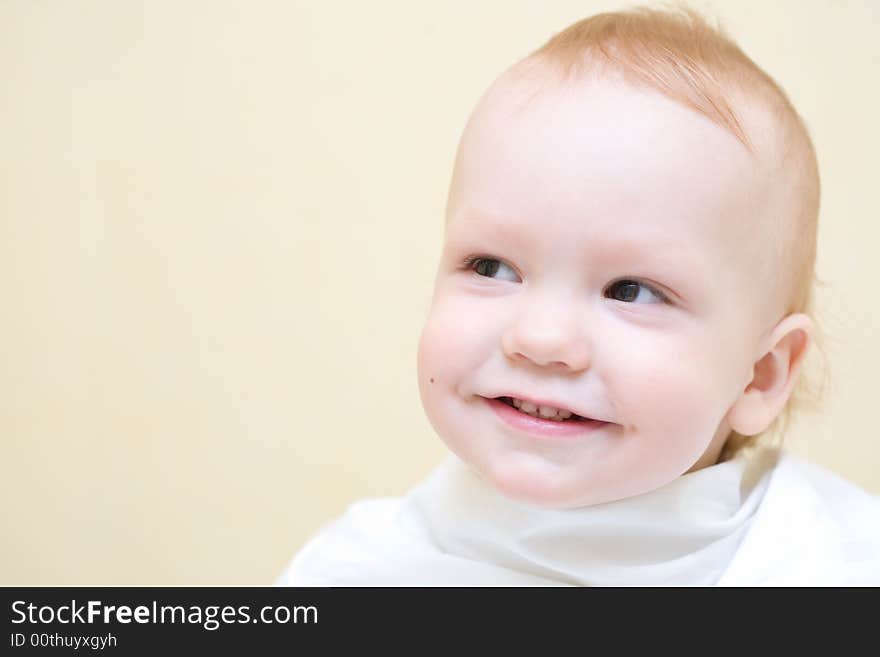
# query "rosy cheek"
(663, 385)
(455, 327)
(437, 346)
(441, 370)
(441, 350)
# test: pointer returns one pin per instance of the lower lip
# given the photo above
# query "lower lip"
(543, 428)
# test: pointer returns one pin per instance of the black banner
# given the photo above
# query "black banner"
(272, 620)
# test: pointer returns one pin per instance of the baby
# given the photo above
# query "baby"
(622, 306)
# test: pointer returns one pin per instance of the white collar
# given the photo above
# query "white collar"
(761, 519)
(795, 539)
(686, 532)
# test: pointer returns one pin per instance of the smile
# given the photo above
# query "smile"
(542, 411)
(562, 423)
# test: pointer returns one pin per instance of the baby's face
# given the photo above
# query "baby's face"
(597, 260)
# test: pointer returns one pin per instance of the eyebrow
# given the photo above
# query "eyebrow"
(484, 238)
(485, 225)
(652, 251)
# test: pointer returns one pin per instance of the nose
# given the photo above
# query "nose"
(548, 333)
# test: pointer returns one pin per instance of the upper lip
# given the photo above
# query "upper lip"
(552, 403)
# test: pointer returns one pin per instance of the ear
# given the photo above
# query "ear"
(773, 376)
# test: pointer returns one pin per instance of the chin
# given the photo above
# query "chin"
(542, 485)
(522, 480)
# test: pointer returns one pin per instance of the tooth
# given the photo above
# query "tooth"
(528, 407)
(564, 415)
(547, 411)
(517, 402)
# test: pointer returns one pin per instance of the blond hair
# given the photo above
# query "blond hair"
(679, 54)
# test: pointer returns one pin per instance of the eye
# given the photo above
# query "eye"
(491, 268)
(629, 291)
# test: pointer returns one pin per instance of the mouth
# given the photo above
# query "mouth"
(541, 412)
(562, 424)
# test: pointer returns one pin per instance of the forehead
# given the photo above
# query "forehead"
(602, 155)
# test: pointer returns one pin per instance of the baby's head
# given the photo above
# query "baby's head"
(624, 287)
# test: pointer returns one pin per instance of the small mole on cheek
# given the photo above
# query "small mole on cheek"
(432, 380)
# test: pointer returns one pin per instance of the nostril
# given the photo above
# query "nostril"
(563, 351)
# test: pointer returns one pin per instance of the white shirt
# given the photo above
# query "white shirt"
(767, 519)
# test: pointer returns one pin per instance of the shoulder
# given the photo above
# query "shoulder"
(813, 527)
(341, 548)
(849, 504)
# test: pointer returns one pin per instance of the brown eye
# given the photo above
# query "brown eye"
(628, 291)
(624, 290)
(486, 267)
(493, 268)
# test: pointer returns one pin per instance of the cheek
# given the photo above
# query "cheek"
(436, 362)
(443, 355)
(455, 344)
(673, 387)
(456, 339)
(439, 373)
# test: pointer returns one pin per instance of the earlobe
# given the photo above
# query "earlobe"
(773, 376)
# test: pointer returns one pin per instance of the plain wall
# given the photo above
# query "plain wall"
(219, 224)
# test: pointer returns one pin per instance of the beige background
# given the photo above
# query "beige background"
(219, 223)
